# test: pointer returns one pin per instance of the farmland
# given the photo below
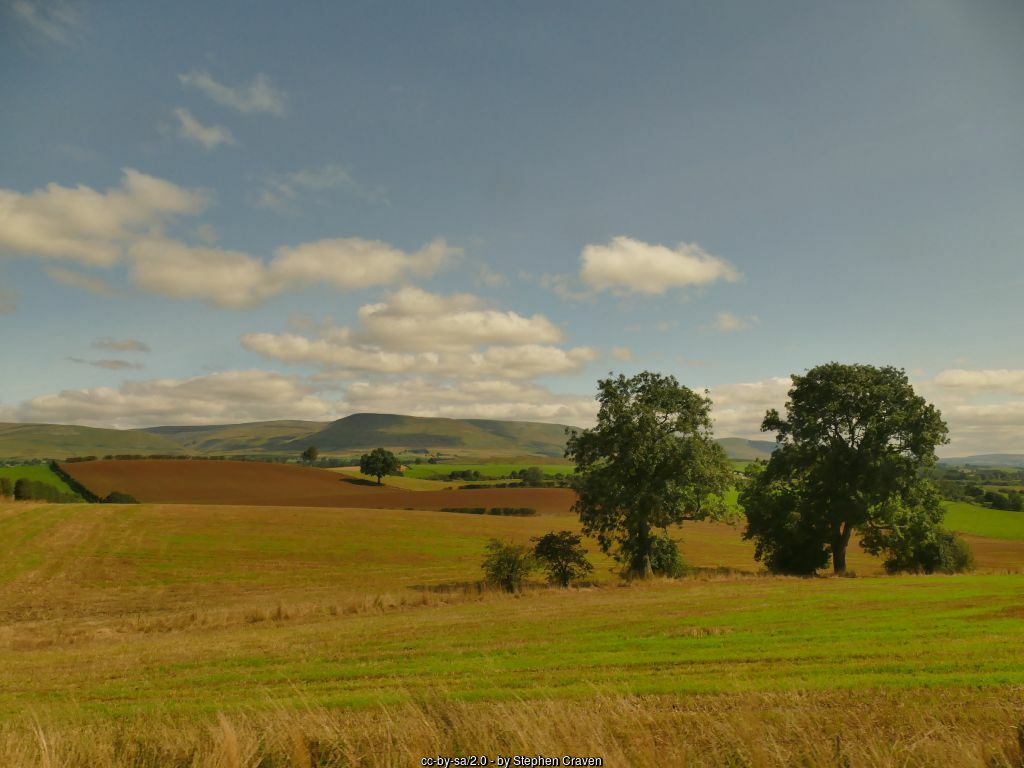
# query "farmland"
(290, 617)
(38, 472)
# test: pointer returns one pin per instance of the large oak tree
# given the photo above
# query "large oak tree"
(853, 445)
(649, 463)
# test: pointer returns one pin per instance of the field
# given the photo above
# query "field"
(38, 472)
(436, 471)
(203, 634)
(970, 518)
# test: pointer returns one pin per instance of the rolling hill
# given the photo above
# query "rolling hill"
(352, 434)
(1014, 460)
(58, 441)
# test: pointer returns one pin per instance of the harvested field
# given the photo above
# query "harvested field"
(170, 481)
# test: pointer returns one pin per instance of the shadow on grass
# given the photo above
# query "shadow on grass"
(361, 481)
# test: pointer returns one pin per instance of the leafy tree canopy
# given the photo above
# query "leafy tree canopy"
(378, 463)
(853, 447)
(649, 463)
(563, 556)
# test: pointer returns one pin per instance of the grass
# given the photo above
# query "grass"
(206, 635)
(970, 518)
(38, 472)
(403, 482)
(435, 471)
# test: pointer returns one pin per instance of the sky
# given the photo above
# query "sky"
(241, 211)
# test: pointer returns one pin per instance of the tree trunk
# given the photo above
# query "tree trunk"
(641, 565)
(378, 479)
(839, 544)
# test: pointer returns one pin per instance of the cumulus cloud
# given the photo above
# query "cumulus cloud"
(75, 279)
(258, 96)
(90, 227)
(57, 21)
(727, 322)
(486, 399)
(739, 408)
(231, 396)
(458, 321)
(983, 380)
(627, 265)
(236, 279)
(210, 136)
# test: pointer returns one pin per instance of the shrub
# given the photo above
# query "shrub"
(6, 487)
(664, 556)
(563, 556)
(941, 552)
(507, 565)
(117, 497)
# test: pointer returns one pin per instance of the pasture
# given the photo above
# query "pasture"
(491, 469)
(358, 637)
(37, 472)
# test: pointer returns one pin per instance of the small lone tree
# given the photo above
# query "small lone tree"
(379, 462)
(649, 463)
(532, 476)
(507, 565)
(853, 449)
(563, 556)
(310, 455)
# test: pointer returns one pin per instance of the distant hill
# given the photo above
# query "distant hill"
(358, 432)
(253, 437)
(58, 441)
(369, 430)
(1015, 460)
(747, 450)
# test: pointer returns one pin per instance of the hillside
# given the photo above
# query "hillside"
(359, 432)
(1015, 460)
(226, 439)
(369, 430)
(748, 450)
(58, 441)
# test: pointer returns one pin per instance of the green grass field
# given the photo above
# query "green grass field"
(965, 517)
(346, 627)
(435, 471)
(38, 472)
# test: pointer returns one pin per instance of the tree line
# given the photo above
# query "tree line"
(855, 446)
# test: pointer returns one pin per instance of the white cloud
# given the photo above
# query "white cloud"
(622, 353)
(488, 399)
(727, 322)
(83, 225)
(210, 136)
(351, 263)
(983, 380)
(513, 362)
(236, 279)
(258, 96)
(628, 265)
(57, 21)
(408, 316)
(120, 345)
(232, 396)
(738, 409)
(74, 279)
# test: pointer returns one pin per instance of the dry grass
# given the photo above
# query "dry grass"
(829, 730)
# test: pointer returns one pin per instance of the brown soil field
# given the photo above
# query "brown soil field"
(169, 481)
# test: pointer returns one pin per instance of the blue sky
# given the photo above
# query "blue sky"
(477, 209)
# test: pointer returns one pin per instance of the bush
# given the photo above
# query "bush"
(34, 490)
(507, 565)
(117, 497)
(665, 558)
(502, 511)
(942, 552)
(6, 487)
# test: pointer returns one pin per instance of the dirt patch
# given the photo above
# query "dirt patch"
(288, 485)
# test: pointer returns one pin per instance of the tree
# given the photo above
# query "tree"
(853, 449)
(379, 462)
(310, 455)
(532, 476)
(563, 556)
(507, 565)
(649, 463)
(6, 487)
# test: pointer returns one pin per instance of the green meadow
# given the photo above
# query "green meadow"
(38, 472)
